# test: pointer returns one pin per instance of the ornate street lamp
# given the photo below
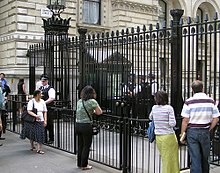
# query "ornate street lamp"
(56, 6)
(56, 23)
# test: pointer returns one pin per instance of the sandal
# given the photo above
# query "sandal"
(40, 152)
(32, 149)
(87, 167)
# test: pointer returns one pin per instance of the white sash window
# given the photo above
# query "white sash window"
(91, 11)
(162, 13)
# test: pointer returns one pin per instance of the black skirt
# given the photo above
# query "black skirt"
(33, 131)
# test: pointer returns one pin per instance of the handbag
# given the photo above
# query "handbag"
(95, 127)
(150, 132)
(27, 117)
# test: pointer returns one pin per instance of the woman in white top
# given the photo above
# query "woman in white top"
(41, 119)
(164, 119)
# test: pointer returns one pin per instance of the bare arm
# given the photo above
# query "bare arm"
(49, 100)
(185, 122)
(213, 124)
(0, 124)
(51, 94)
(24, 88)
(34, 115)
(45, 119)
(98, 110)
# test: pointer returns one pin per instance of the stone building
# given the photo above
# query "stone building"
(21, 23)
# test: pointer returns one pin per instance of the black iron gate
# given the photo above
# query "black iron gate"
(123, 66)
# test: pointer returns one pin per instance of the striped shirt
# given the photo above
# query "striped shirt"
(200, 109)
(164, 119)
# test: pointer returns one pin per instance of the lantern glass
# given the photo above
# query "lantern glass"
(55, 2)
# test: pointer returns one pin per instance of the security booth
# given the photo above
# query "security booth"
(115, 71)
(108, 78)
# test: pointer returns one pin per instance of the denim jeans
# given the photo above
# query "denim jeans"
(198, 140)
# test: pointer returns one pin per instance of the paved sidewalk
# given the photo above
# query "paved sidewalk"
(213, 169)
(16, 157)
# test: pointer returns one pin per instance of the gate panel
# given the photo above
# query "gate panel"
(119, 65)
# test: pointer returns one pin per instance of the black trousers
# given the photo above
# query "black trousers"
(3, 117)
(84, 132)
(50, 126)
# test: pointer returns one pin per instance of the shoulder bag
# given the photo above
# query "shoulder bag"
(95, 127)
(150, 132)
(27, 117)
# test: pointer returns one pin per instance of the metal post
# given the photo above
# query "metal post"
(31, 70)
(125, 146)
(82, 49)
(14, 113)
(176, 62)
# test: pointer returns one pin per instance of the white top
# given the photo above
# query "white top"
(164, 119)
(137, 88)
(200, 109)
(38, 85)
(153, 87)
(40, 106)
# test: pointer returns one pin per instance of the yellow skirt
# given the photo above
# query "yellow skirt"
(168, 148)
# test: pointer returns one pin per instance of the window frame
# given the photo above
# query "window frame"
(99, 15)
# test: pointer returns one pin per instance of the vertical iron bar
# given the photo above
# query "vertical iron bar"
(215, 56)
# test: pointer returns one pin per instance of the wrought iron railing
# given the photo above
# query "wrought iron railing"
(121, 141)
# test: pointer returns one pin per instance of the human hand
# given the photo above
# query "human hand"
(45, 123)
(183, 138)
(37, 117)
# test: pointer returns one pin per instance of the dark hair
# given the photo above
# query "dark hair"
(161, 98)
(36, 92)
(87, 93)
(21, 80)
(2, 74)
(44, 77)
(197, 86)
(151, 76)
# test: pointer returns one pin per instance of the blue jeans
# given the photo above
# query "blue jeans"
(198, 141)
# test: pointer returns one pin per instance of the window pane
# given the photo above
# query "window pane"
(162, 12)
(91, 12)
(86, 11)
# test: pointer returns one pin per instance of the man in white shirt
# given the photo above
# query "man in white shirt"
(48, 95)
(153, 83)
(200, 115)
(39, 83)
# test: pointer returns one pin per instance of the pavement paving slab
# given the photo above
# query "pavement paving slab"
(16, 157)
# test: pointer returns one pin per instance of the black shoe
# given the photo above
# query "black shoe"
(50, 142)
(2, 138)
(1, 144)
